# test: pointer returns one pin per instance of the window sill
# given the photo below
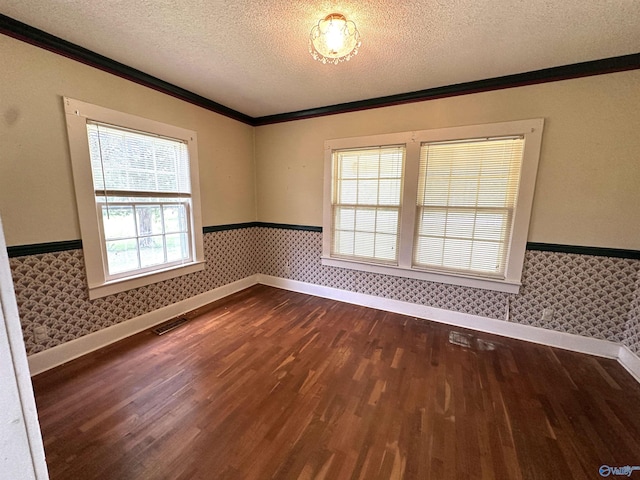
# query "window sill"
(507, 286)
(128, 283)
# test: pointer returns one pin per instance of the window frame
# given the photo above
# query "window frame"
(530, 129)
(100, 283)
(335, 205)
(151, 268)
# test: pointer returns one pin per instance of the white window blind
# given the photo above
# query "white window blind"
(366, 199)
(467, 193)
(129, 161)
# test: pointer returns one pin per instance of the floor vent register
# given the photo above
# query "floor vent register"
(466, 340)
(166, 327)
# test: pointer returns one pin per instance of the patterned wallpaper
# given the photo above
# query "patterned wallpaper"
(302, 251)
(51, 289)
(591, 296)
(632, 332)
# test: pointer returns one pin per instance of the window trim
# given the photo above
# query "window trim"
(356, 206)
(532, 132)
(77, 114)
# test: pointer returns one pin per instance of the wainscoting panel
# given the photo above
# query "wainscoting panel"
(632, 331)
(589, 295)
(51, 289)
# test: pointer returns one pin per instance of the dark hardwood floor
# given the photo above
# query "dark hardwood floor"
(274, 384)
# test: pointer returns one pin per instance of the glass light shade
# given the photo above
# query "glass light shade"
(334, 39)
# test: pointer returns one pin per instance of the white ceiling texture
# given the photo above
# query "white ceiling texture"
(252, 56)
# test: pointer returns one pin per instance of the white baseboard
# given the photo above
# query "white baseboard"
(630, 361)
(567, 341)
(42, 361)
(55, 356)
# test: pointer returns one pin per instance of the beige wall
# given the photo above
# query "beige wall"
(37, 200)
(587, 191)
(588, 188)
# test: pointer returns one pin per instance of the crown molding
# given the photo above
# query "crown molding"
(39, 38)
(554, 74)
(22, 31)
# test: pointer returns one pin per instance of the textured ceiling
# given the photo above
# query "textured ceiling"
(252, 56)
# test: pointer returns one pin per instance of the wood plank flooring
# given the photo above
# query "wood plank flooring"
(274, 384)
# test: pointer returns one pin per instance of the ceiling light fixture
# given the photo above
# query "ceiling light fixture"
(334, 39)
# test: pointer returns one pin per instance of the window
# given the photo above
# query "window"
(136, 184)
(449, 205)
(366, 203)
(466, 200)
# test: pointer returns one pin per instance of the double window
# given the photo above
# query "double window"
(137, 191)
(449, 205)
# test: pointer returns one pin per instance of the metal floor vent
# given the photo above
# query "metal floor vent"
(460, 339)
(170, 325)
(466, 340)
